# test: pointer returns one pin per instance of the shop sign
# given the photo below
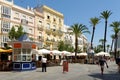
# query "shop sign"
(17, 45)
(33, 46)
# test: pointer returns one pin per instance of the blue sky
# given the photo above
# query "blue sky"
(80, 11)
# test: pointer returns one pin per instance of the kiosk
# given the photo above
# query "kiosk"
(22, 54)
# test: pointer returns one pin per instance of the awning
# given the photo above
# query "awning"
(3, 50)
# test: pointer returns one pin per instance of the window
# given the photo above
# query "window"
(24, 21)
(40, 22)
(30, 19)
(17, 53)
(54, 20)
(24, 17)
(16, 14)
(4, 39)
(25, 56)
(54, 27)
(30, 31)
(5, 27)
(6, 12)
(60, 21)
(48, 17)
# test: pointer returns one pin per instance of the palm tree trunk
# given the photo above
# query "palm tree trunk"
(115, 48)
(76, 47)
(105, 36)
(92, 37)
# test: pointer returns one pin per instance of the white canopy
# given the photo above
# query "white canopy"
(102, 54)
(35, 51)
(55, 52)
(44, 51)
(72, 54)
(79, 54)
(82, 54)
(65, 53)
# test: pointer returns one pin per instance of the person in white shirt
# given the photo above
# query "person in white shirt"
(44, 64)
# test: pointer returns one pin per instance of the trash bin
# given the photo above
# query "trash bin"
(65, 66)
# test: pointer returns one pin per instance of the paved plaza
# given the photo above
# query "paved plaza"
(76, 72)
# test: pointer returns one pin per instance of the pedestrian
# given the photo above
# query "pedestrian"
(44, 64)
(102, 62)
(65, 65)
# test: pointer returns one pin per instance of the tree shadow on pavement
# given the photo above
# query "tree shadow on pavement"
(112, 75)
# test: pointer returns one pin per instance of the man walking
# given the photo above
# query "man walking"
(44, 64)
(102, 62)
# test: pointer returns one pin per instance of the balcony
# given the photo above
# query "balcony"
(60, 33)
(40, 28)
(54, 22)
(48, 31)
(48, 41)
(60, 24)
(24, 21)
(48, 20)
(5, 16)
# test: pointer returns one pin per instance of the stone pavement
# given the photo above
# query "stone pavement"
(76, 72)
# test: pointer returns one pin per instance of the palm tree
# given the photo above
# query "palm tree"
(116, 28)
(94, 21)
(113, 37)
(105, 15)
(77, 30)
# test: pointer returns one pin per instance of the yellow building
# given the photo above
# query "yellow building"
(39, 28)
(53, 26)
(43, 24)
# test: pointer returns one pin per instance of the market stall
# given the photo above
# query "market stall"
(22, 58)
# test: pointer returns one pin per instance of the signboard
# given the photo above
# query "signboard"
(33, 46)
(17, 45)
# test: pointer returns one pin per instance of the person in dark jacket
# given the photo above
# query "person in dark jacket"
(102, 62)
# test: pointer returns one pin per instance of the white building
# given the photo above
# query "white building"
(82, 40)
